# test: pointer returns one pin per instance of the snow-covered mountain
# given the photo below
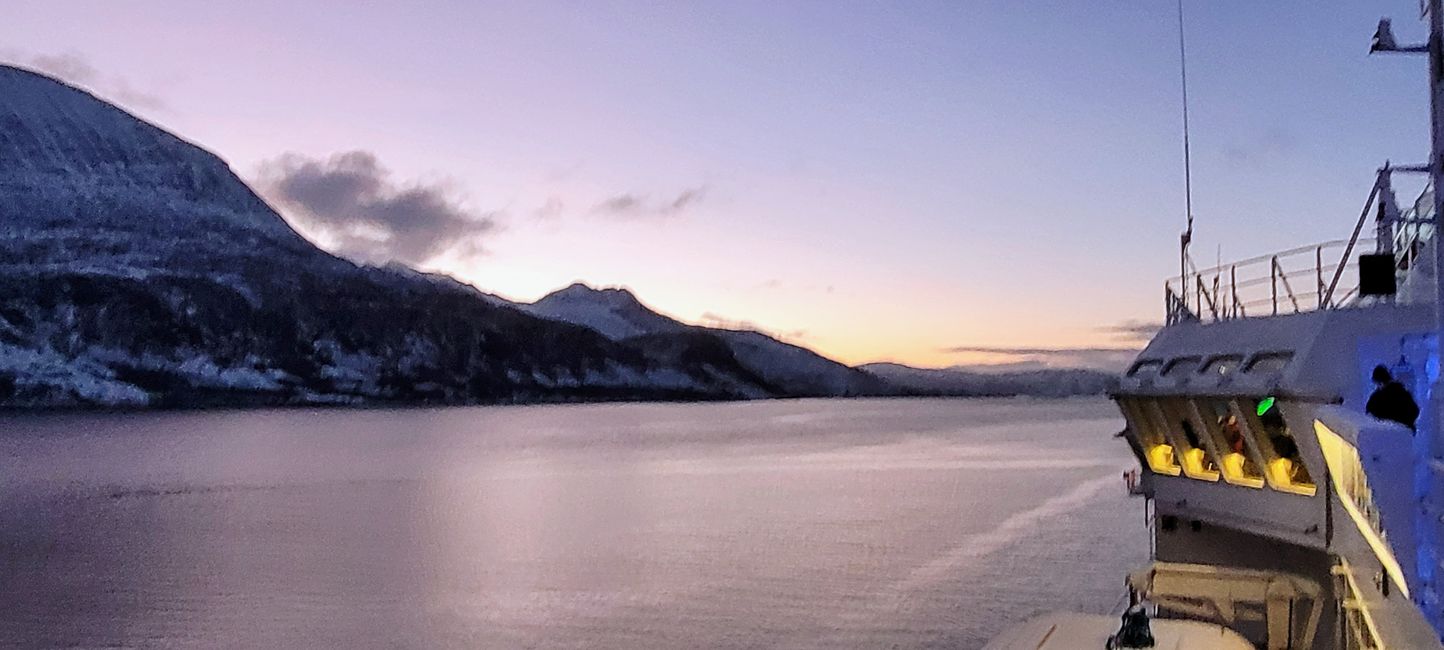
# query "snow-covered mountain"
(1062, 382)
(136, 268)
(613, 312)
(618, 315)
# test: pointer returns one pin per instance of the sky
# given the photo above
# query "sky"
(933, 183)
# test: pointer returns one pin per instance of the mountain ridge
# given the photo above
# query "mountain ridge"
(137, 269)
(618, 314)
(140, 270)
(957, 382)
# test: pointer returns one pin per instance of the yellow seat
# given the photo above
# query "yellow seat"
(1193, 461)
(1281, 472)
(1233, 469)
(1161, 461)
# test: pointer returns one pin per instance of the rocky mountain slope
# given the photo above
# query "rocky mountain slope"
(618, 314)
(137, 269)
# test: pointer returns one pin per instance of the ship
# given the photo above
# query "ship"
(1288, 504)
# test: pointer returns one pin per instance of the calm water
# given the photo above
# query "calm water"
(796, 524)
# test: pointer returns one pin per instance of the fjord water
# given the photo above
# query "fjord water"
(792, 524)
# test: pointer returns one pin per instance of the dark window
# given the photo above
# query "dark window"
(1268, 363)
(1280, 449)
(1161, 457)
(1222, 366)
(1145, 368)
(1239, 466)
(1180, 366)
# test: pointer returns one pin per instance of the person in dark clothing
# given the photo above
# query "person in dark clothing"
(1391, 401)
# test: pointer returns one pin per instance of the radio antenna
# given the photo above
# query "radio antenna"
(1187, 237)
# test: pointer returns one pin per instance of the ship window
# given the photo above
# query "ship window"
(1239, 462)
(1285, 466)
(1157, 451)
(1180, 367)
(1194, 455)
(1268, 363)
(1145, 368)
(1222, 366)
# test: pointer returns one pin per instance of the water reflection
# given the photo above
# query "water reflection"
(794, 524)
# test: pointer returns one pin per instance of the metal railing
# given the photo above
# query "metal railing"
(1308, 278)
(1292, 281)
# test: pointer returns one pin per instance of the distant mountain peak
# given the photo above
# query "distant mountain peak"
(137, 268)
(583, 291)
(613, 311)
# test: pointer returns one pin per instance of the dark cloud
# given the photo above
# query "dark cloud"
(77, 70)
(620, 204)
(1099, 358)
(686, 199)
(350, 202)
(636, 205)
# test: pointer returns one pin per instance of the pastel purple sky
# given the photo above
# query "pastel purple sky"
(909, 181)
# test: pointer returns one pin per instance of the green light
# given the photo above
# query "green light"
(1264, 405)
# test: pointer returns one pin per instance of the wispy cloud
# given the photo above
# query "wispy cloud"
(1022, 351)
(550, 210)
(718, 321)
(76, 69)
(630, 205)
(350, 203)
(1132, 330)
(1100, 358)
(620, 204)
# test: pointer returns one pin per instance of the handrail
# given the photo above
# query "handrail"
(1232, 290)
(1285, 278)
(1264, 258)
(1266, 282)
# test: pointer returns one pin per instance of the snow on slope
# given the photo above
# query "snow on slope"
(61, 146)
(617, 314)
(614, 312)
(799, 368)
(136, 268)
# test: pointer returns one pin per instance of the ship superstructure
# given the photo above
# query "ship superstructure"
(1282, 514)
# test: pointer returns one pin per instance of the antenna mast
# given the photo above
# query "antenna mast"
(1187, 237)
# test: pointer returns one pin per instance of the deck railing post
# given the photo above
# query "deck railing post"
(1319, 273)
(1274, 282)
(1197, 294)
(1233, 289)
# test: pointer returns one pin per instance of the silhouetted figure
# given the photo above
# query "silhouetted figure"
(1135, 631)
(1391, 401)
